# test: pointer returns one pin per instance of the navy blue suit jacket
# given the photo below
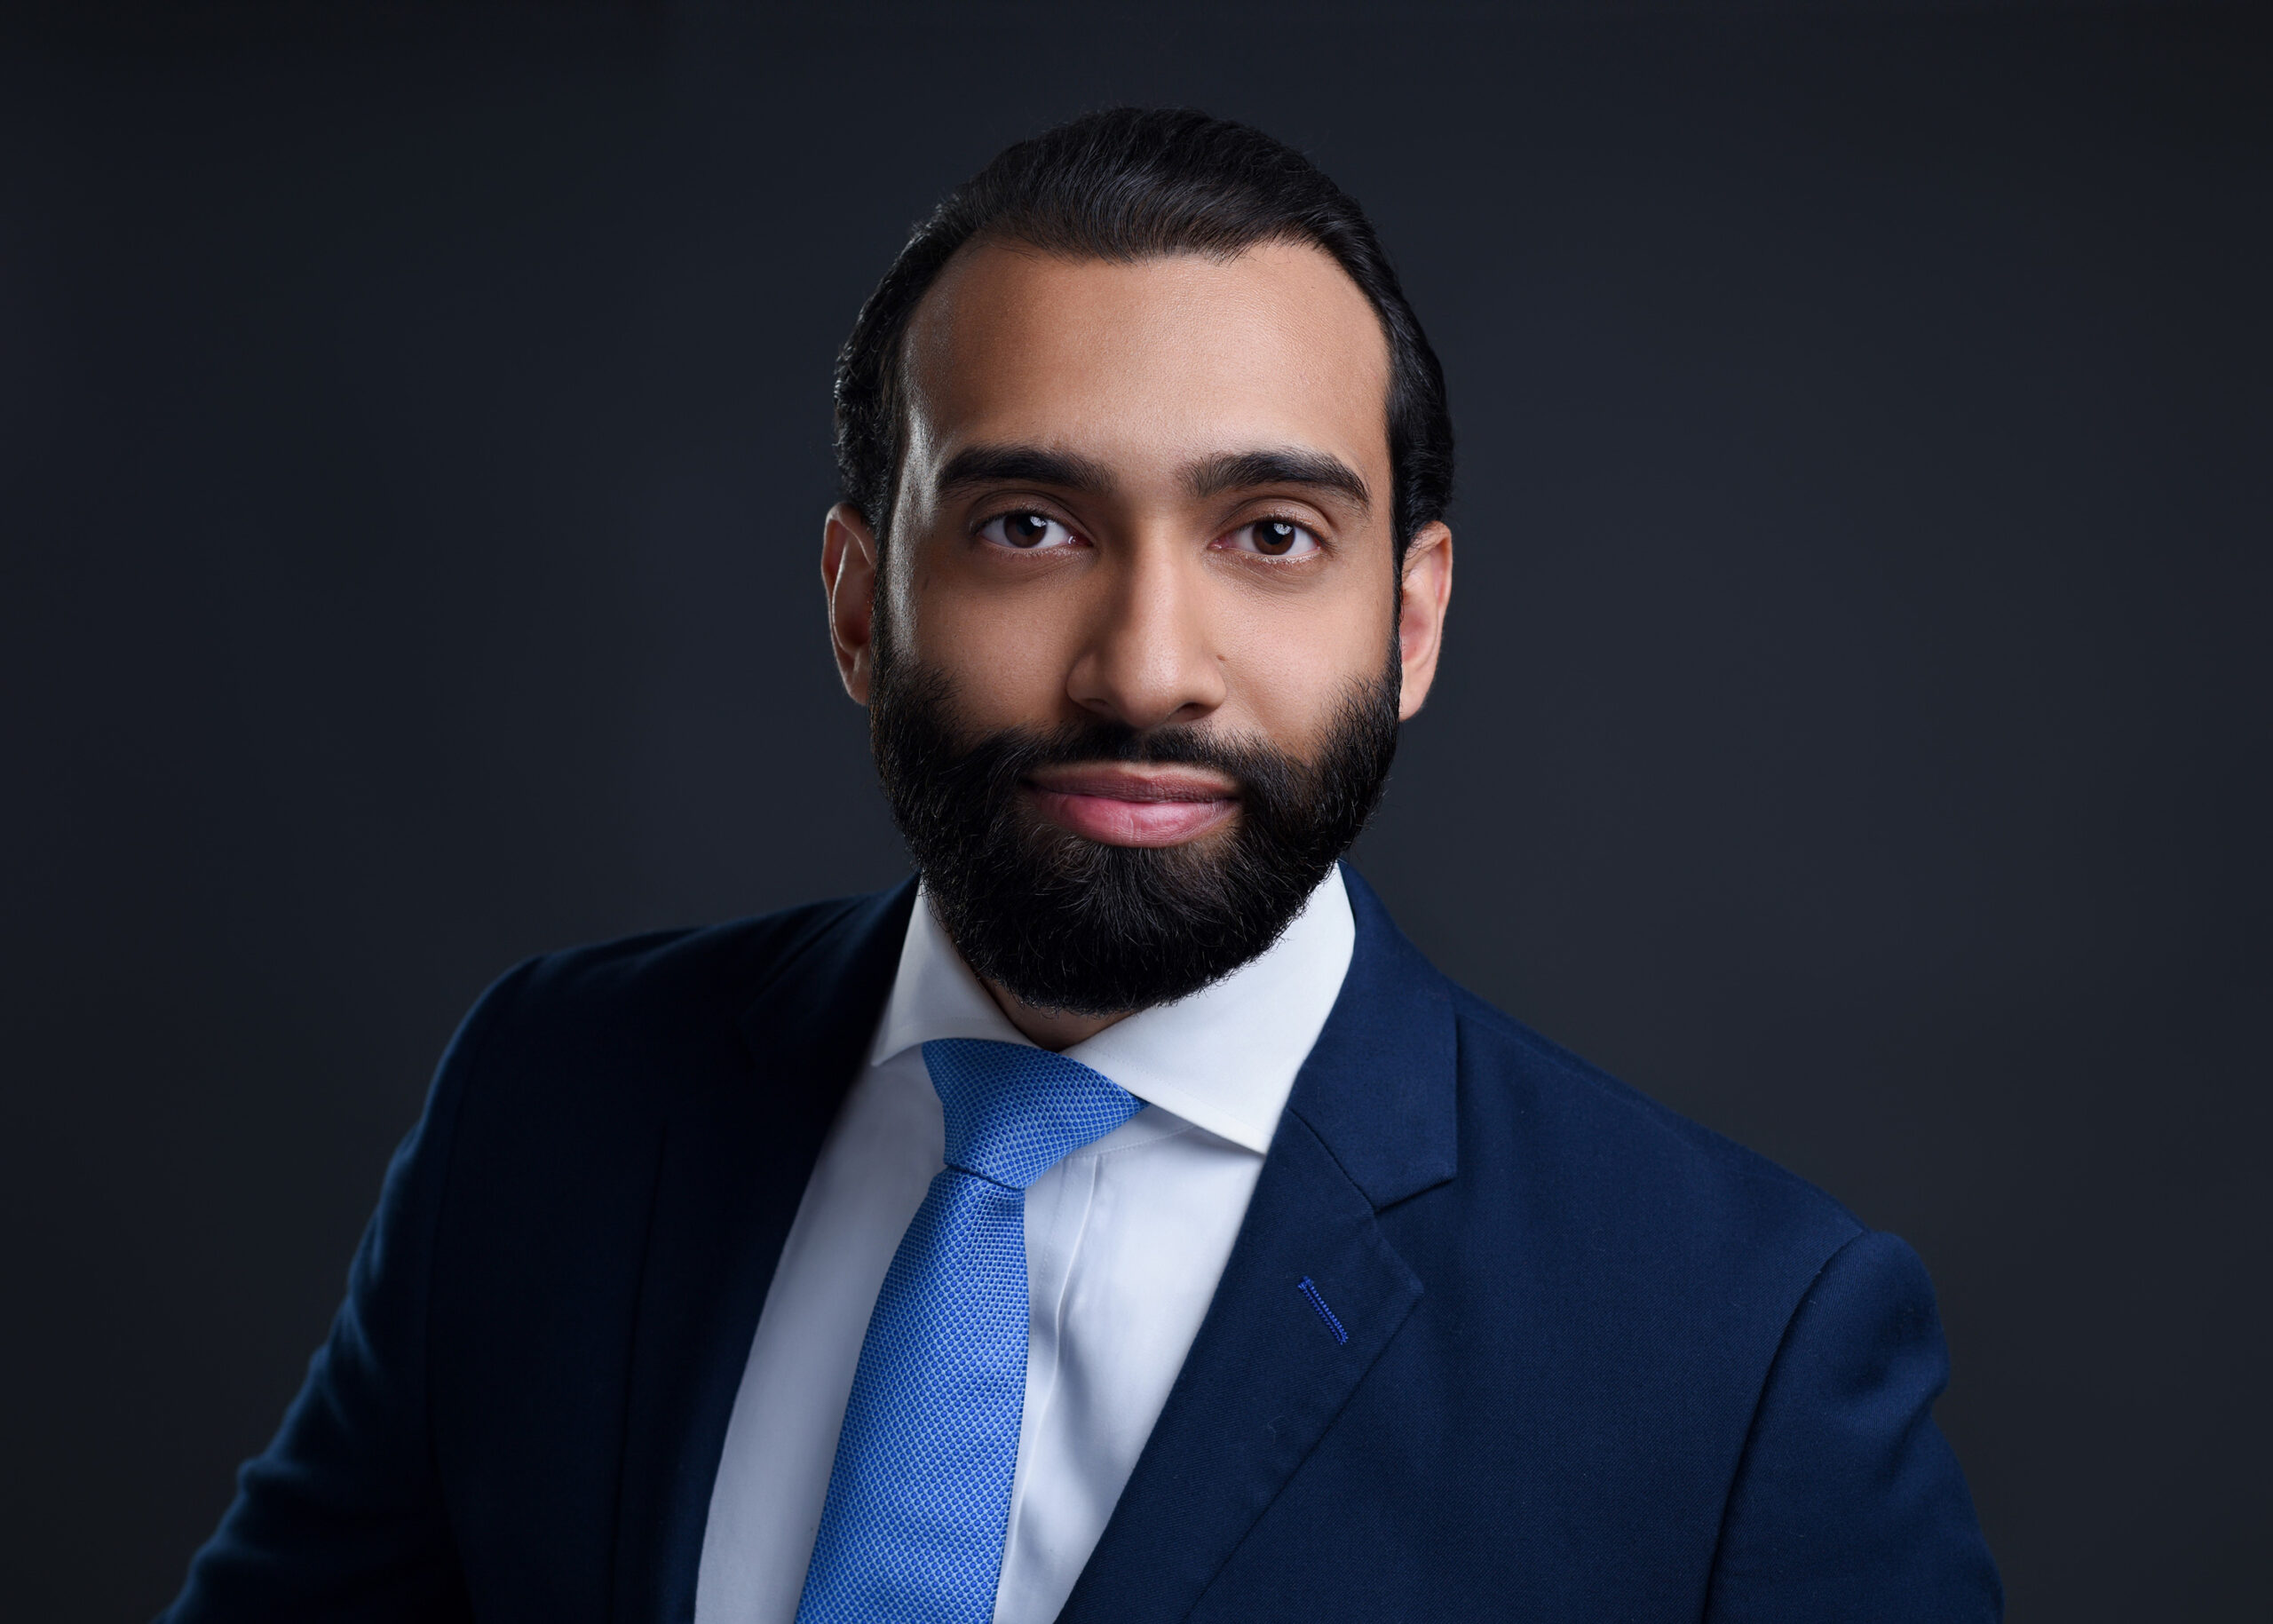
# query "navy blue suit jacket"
(1600, 1364)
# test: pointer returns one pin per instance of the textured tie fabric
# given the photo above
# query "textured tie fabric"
(919, 1499)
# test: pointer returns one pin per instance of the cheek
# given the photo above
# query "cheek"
(1291, 674)
(1005, 661)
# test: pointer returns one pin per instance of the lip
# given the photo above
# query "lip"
(1132, 804)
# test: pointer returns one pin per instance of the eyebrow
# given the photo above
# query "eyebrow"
(1288, 466)
(1024, 465)
(1209, 477)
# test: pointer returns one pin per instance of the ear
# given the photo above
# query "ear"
(1421, 615)
(848, 575)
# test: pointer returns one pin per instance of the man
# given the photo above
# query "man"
(1127, 1224)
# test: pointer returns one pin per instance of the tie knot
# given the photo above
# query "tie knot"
(1012, 1112)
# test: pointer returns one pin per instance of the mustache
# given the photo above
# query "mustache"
(1252, 765)
(1271, 784)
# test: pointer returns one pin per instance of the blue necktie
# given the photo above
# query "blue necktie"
(919, 1500)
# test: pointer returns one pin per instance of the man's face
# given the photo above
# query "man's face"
(1143, 514)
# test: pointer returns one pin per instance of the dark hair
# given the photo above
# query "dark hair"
(1132, 183)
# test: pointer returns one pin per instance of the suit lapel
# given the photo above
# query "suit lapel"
(1371, 1122)
(735, 1158)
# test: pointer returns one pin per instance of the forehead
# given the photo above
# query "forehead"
(1154, 361)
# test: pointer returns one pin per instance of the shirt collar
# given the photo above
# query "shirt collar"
(1224, 1059)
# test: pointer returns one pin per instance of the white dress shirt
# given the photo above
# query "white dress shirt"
(1126, 1239)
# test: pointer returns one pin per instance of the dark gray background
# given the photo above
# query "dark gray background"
(413, 441)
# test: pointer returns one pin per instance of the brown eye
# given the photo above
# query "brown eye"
(1273, 538)
(1025, 532)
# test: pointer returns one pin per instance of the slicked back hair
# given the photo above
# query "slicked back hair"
(1135, 184)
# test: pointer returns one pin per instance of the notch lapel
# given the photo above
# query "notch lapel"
(735, 1158)
(1370, 1122)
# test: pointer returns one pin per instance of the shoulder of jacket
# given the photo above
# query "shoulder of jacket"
(1510, 1068)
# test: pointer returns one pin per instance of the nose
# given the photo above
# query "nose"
(1149, 658)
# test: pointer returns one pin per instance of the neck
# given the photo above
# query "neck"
(1052, 1029)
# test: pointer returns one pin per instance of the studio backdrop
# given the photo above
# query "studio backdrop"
(414, 438)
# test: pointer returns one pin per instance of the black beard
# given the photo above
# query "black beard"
(1071, 925)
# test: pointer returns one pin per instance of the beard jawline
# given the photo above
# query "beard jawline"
(1066, 923)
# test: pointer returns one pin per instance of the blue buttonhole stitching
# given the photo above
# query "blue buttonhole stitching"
(1310, 1290)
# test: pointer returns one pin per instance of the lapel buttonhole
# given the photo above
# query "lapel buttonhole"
(1308, 1288)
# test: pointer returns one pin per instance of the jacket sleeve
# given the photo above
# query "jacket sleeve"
(342, 1517)
(1848, 1503)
